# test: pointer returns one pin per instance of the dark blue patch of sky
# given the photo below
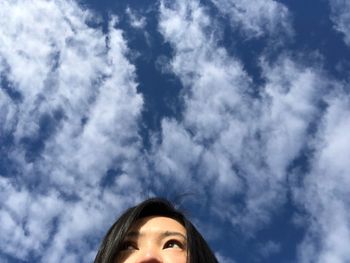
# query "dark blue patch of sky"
(316, 35)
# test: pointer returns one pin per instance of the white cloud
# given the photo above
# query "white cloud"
(326, 188)
(79, 100)
(136, 20)
(256, 17)
(292, 95)
(90, 82)
(229, 142)
(179, 160)
(22, 221)
(7, 112)
(223, 259)
(340, 14)
(198, 68)
(76, 81)
(244, 145)
(269, 248)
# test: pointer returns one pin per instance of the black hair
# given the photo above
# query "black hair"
(198, 250)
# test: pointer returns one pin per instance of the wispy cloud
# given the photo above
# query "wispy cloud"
(326, 188)
(232, 143)
(222, 259)
(240, 143)
(70, 115)
(256, 18)
(184, 25)
(74, 127)
(268, 248)
(136, 20)
(341, 17)
(27, 219)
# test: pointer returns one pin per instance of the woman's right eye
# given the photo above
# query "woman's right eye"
(173, 243)
(128, 245)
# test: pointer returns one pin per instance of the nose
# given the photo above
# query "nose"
(149, 255)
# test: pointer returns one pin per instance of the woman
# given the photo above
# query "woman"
(154, 231)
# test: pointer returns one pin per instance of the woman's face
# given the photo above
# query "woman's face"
(154, 239)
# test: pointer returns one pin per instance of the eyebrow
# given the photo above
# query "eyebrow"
(163, 234)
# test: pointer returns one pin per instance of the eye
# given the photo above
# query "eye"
(174, 244)
(128, 245)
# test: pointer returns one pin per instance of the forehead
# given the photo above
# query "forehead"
(157, 224)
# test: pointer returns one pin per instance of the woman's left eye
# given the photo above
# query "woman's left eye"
(173, 244)
(128, 245)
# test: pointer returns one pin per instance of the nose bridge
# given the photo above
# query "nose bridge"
(150, 252)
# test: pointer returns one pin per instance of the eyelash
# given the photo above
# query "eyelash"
(129, 245)
(173, 242)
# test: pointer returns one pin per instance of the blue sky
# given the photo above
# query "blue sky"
(237, 110)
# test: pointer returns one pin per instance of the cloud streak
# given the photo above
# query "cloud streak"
(341, 18)
(256, 18)
(74, 126)
(233, 144)
(327, 186)
(73, 155)
(234, 136)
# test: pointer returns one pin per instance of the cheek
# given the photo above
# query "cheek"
(125, 259)
(175, 257)
(172, 257)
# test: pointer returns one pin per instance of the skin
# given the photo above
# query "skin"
(154, 239)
